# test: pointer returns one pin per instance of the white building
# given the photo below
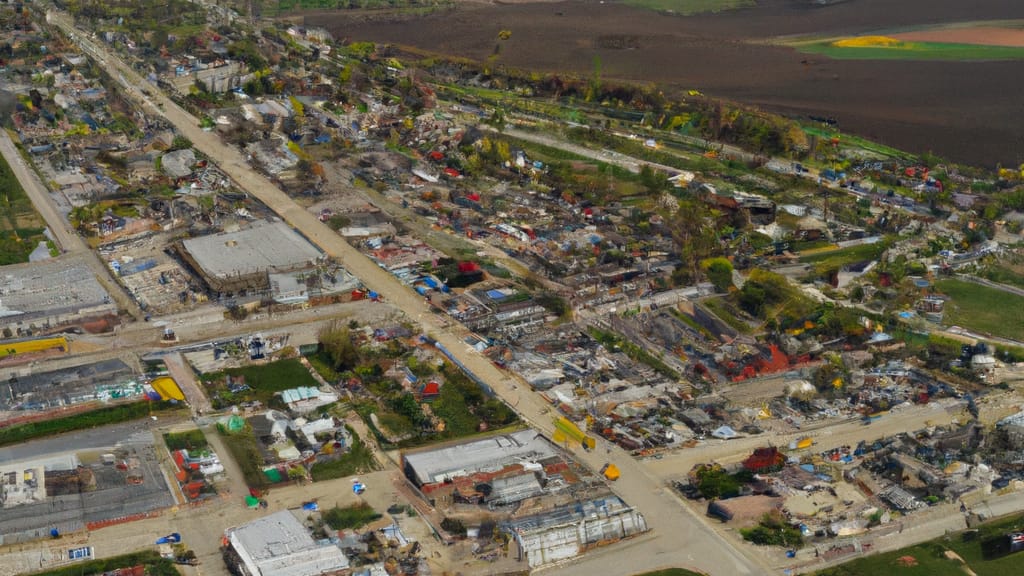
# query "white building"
(279, 545)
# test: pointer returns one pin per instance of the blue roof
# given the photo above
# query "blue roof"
(299, 394)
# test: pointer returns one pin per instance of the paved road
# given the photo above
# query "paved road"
(826, 435)
(682, 538)
(64, 236)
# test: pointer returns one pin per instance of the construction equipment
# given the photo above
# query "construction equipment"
(610, 471)
(566, 431)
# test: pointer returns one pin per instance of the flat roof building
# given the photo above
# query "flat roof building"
(54, 291)
(242, 260)
(279, 545)
(486, 455)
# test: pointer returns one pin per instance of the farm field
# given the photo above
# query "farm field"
(914, 51)
(984, 309)
(963, 110)
(690, 7)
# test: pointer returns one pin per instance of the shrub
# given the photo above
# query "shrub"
(350, 516)
(774, 530)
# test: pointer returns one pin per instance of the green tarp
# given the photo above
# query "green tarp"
(252, 501)
(273, 474)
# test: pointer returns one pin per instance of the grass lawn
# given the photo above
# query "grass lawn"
(844, 256)
(356, 461)
(932, 562)
(189, 440)
(912, 51)
(720, 308)
(350, 516)
(984, 309)
(688, 7)
(21, 227)
(246, 453)
(263, 380)
(395, 424)
(321, 362)
(276, 376)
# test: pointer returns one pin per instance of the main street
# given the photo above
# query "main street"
(681, 537)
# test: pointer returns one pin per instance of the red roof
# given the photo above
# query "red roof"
(431, 389)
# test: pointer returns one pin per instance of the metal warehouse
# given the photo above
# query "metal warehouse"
(489, 454)
(279, 545)
(242, 260)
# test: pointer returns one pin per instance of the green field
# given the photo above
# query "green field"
(263, 380)
(358, 460)
(828, 260)
(101, 417)
(245, 451)
(931, 560)
(21, 227)
(723, 310)
(688, 7)
(913, 51)
(983, 309)
(851, 141)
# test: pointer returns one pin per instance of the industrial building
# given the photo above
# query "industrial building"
(49, 293)
(486, 455)
(279, 545)
(104, 380)
(241, 261)
(568, 531)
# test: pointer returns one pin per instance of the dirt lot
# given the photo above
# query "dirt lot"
(969, 112)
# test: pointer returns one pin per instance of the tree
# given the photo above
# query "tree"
(694, 235)
(719, 272)
(714, 482)
(336, 340)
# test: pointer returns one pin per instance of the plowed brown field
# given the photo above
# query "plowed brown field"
(968, 111)
(982, 35)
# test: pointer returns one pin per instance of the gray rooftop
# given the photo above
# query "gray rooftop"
(261, 247)
(51, 287)
(279, 545)
(486, 455)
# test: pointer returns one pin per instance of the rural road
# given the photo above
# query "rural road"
(681, 537)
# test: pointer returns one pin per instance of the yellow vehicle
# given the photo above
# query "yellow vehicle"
(610, 471)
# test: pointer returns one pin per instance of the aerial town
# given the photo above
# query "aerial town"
(297, 288)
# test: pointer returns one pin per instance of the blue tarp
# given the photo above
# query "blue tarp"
(172, 538)
(311, 506)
